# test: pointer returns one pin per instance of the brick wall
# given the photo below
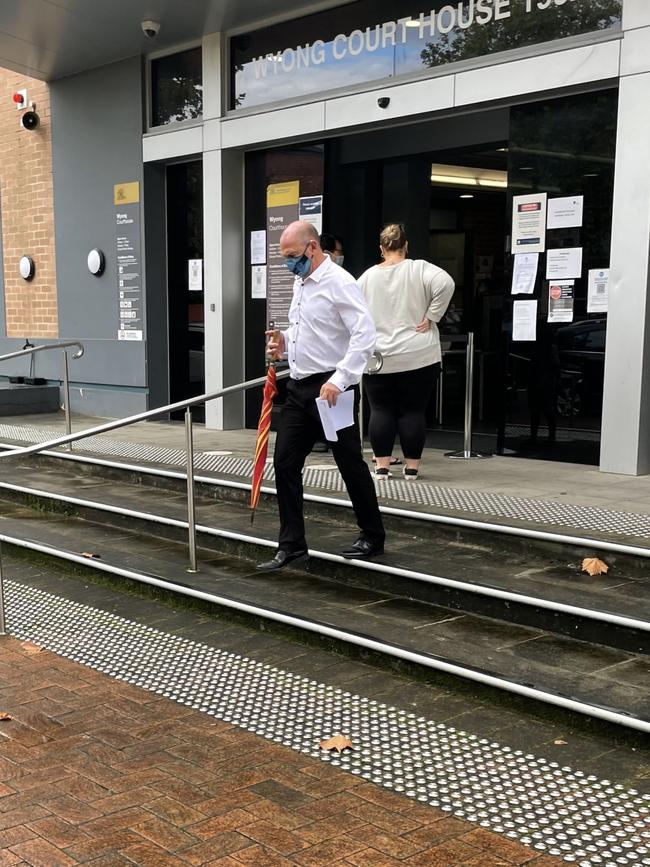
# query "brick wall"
(27, 208)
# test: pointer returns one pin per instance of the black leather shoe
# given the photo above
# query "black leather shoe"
(282, 558)
(320, 446)
(362, 548)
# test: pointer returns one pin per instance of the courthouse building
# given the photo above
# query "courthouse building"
(511, 137)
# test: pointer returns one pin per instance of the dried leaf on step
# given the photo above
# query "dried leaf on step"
(560, 743)
(338, 742)
(30, 648)
(4, 716)
(594, 566)
(90, 556)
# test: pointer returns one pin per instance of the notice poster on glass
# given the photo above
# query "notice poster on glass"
(598, 292)
(560, 301)
(258, 247)
(564, 264)
(524, 274)
(195, 275)
(258, 281)
(566, 212)
(524, 320)
(281, 210)
(310, 209)
(529, 223)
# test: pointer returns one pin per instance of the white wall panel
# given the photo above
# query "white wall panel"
(212, 135)
(636, 13)
(532, 74)
(635, 51)
(625, 441)
(273, 126)
(170, 145)
(406, 100)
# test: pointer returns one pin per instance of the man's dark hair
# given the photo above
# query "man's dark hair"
(328, 242)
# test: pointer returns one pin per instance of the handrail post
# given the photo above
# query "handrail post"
(66, 396)
(3, 630)
(191, 516)
(467, 452)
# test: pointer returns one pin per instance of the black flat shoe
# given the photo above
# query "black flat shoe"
(282, 558)
(362, 548)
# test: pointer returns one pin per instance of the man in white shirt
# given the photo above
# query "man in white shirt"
(328, 343)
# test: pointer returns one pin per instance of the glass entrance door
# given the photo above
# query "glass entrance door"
(185, 280)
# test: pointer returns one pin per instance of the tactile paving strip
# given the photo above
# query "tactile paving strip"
(554, 809)
(544, 512)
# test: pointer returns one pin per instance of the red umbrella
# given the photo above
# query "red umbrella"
(262, 443)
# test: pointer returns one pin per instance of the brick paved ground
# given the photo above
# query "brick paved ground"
(100, 772)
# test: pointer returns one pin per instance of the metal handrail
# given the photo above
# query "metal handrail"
(28, 349)
(187, 405)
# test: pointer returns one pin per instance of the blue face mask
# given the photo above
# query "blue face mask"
(299, 265)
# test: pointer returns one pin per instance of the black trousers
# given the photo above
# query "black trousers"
(397, 405)
(299, 429)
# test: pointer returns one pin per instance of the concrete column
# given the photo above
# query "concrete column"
(223, 247)
(625, 446)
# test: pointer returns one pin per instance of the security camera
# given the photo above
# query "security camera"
(383, 101)
(150, 29)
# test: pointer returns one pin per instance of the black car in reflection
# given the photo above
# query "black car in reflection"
(581, 348)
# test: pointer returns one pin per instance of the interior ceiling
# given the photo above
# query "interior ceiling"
(49, 39)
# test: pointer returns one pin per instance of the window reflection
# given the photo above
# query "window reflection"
(380, 39)
(176, 87)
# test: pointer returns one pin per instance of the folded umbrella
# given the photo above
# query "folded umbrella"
(262, 442)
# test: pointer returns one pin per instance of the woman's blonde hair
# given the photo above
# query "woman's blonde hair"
(393, 237)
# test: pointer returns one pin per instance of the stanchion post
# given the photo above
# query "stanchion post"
(191, 516)
(3, 630)
(66, 396)
(467, 452)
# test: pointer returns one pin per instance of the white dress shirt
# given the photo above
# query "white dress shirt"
(330, 327)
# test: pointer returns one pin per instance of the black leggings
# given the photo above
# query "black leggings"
(397, 405)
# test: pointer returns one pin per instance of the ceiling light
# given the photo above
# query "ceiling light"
(463, 176)
(467, 196)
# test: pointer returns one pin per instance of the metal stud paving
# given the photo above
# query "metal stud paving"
(435, 496)
(553, 809)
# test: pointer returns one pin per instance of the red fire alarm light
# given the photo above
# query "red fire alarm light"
(18, 98)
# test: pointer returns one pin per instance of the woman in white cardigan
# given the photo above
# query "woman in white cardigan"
(407, 298)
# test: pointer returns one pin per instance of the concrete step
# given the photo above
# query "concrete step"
(513, 580)
(602, 682)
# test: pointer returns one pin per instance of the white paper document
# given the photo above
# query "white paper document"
(335, 418)
(524, 320)
(598, 294)
(564, 263)
(524, 273)
(258, 247)
(258, 281)
(565, 213)
(529, 223)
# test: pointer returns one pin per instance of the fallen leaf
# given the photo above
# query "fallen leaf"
(338, 742)
(594, 566)
(90, 556)
(560, 743)
(29, 647)
(4, 716)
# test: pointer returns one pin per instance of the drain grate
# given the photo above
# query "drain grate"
(552, 808)
(544, 512)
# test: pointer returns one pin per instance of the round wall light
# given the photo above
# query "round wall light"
(26, 267)
(96, 262)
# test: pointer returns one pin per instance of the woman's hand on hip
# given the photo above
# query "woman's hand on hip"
(423, 326)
